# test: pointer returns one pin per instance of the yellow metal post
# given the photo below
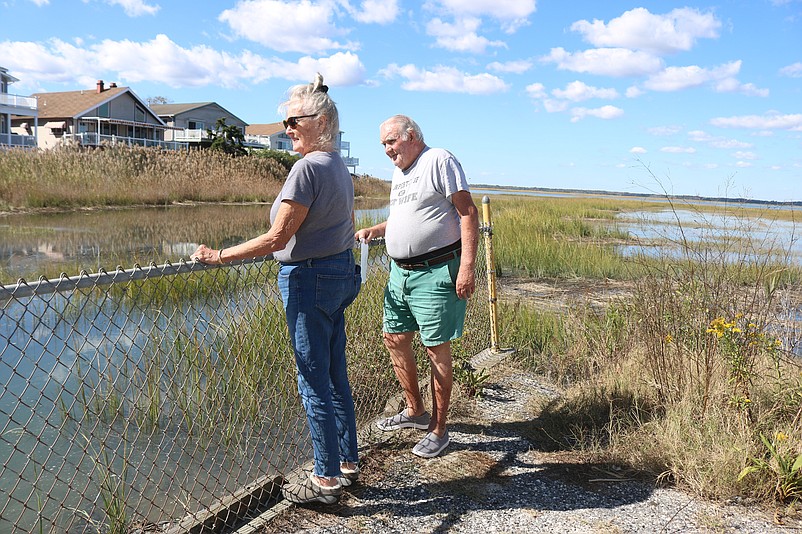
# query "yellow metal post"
(487, 231)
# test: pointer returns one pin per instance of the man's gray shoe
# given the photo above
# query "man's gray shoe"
(431, 445)
(308, 491)
(402, 420)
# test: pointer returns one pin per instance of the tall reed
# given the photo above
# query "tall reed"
(693, 377)
(124, 176)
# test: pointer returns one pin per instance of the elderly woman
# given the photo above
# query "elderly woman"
(312, 236)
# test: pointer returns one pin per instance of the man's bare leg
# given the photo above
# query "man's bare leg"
(442, 381)
(406, 369)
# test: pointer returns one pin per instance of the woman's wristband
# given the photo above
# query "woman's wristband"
(220, 256)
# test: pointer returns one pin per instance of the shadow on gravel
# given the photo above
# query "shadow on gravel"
(508, 455)
(486, 467)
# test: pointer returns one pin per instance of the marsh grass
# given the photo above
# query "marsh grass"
(561, 238)
(125, 176)
(691, 377)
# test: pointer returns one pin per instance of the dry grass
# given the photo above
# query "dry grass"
(125, 176)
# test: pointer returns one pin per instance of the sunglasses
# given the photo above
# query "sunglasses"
(293, 121)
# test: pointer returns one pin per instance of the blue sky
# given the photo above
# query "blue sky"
(685, 98)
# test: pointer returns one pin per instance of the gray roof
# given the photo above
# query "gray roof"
(175, 109)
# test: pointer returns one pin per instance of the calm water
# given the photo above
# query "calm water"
(737, 237)
(48, 244)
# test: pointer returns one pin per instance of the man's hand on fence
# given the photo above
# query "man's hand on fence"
(364, 235)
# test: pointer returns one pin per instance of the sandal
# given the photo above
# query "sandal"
(309, 490)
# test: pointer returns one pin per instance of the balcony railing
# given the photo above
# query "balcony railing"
(95, 139)
(17, 140)
(257, 141)
(190, 135)
(17, 101)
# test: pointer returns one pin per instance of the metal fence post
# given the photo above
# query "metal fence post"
(487, 231)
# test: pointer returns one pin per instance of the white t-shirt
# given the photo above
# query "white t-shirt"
(422, 217)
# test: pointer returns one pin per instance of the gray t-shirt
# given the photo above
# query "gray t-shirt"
(321, 182)
(422, 217)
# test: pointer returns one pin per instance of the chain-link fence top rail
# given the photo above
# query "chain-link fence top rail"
(146, 398)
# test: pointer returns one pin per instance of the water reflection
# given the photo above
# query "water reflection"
(48, 244)
(713, 235)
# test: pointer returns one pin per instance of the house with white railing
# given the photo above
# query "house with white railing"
(13, 106)
(191, 123)
(274, 136)
(98, 117)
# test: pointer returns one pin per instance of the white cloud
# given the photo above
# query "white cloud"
(699, 135)
(722, 79)
(460, 36)
(135, 8)
(732, 85)
(445, 79)
(536, 90)
(744, 164)
(729, 143)
(678, 78)
(678, 149)
(634, 92)
(605, 61)
(56, 61)
(792, 71)
(555, 106)
(765, 122)
(511, 13)
(665, 130)
(577, 91)
(716, 142)
(514, 67)
(637, 150)
(40, 3)
(604, 112)
(375, 11)
(641, 30)
(163, 61)
(745, 155)
(303, 26)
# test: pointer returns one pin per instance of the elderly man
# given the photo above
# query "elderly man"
(431, 234)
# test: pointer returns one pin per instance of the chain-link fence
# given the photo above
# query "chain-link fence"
(163, 399)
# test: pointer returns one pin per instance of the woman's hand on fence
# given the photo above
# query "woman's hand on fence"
(205, 254)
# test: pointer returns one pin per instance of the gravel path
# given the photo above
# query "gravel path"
(493, 479)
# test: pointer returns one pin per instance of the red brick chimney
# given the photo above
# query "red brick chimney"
(100, 86)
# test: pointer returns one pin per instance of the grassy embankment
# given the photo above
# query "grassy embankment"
(122, 176)
(691, 378)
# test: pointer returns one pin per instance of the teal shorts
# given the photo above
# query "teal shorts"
(425, 301)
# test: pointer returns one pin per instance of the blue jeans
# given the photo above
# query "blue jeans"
(315, 293)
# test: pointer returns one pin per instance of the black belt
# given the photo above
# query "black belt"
(430, 259)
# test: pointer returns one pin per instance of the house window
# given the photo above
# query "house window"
(139, 114)
(195, 125)
(104, 110)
